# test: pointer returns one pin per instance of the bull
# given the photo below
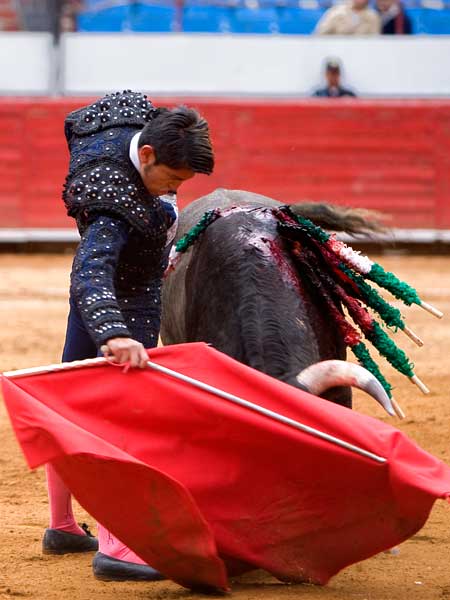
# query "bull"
(238, 289)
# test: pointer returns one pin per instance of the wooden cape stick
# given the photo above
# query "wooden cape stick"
(97, 362)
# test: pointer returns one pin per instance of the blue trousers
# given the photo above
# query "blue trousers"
(79, 344)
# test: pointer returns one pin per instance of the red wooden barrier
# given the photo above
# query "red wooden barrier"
(389, 155)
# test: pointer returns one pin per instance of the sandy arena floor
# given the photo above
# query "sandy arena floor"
(33, 308)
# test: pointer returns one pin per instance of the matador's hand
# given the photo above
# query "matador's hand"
(125, 350)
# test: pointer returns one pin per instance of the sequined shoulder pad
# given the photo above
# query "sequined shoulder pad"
(106, 189)
(113, 110)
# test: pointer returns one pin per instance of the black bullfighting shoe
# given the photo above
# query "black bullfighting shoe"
(107, 568)
(60, 542)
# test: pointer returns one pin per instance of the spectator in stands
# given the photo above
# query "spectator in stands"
(394, 20)
(333, 89)
(354, 17)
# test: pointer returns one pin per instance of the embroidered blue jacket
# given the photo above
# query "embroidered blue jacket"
(118, 266)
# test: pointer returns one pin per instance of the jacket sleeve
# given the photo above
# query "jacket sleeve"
(93, 275)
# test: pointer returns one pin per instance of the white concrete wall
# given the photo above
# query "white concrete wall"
(26, 61)
(221, 65)
(254, 65)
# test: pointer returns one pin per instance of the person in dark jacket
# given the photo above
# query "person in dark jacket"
(127, 161)
(333, 89)
(394, 19)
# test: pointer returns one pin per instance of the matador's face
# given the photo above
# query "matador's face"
(159, 179)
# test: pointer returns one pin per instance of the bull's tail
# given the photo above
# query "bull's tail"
(355, 221)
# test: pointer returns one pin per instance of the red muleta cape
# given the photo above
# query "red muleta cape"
(199, 487)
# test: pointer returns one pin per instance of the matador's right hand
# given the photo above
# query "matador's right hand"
(125, 350)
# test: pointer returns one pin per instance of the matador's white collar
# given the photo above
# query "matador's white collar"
(134, 156)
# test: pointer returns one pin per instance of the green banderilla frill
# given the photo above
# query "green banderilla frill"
(194, 233)
(399, 289)
(315, 231)
(387, 348)
(366, 361)
(389, 314)
(389, 281)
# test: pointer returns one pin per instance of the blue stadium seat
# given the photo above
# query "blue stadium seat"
(94, 5)
(435, 21)
(109, 19)
(250, 20)
(211, 3)
(152, 17)
(415, 14)
(298, 20)
(275, 3)
(205, 19)
(430, 21)
(410, 4)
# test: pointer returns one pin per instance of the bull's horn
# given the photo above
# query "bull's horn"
(331, 373)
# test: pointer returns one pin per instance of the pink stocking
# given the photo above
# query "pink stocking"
(110, 545)
(60, 499)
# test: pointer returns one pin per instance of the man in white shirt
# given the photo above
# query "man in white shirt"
(354, 17)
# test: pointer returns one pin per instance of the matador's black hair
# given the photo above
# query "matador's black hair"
(180, 139)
